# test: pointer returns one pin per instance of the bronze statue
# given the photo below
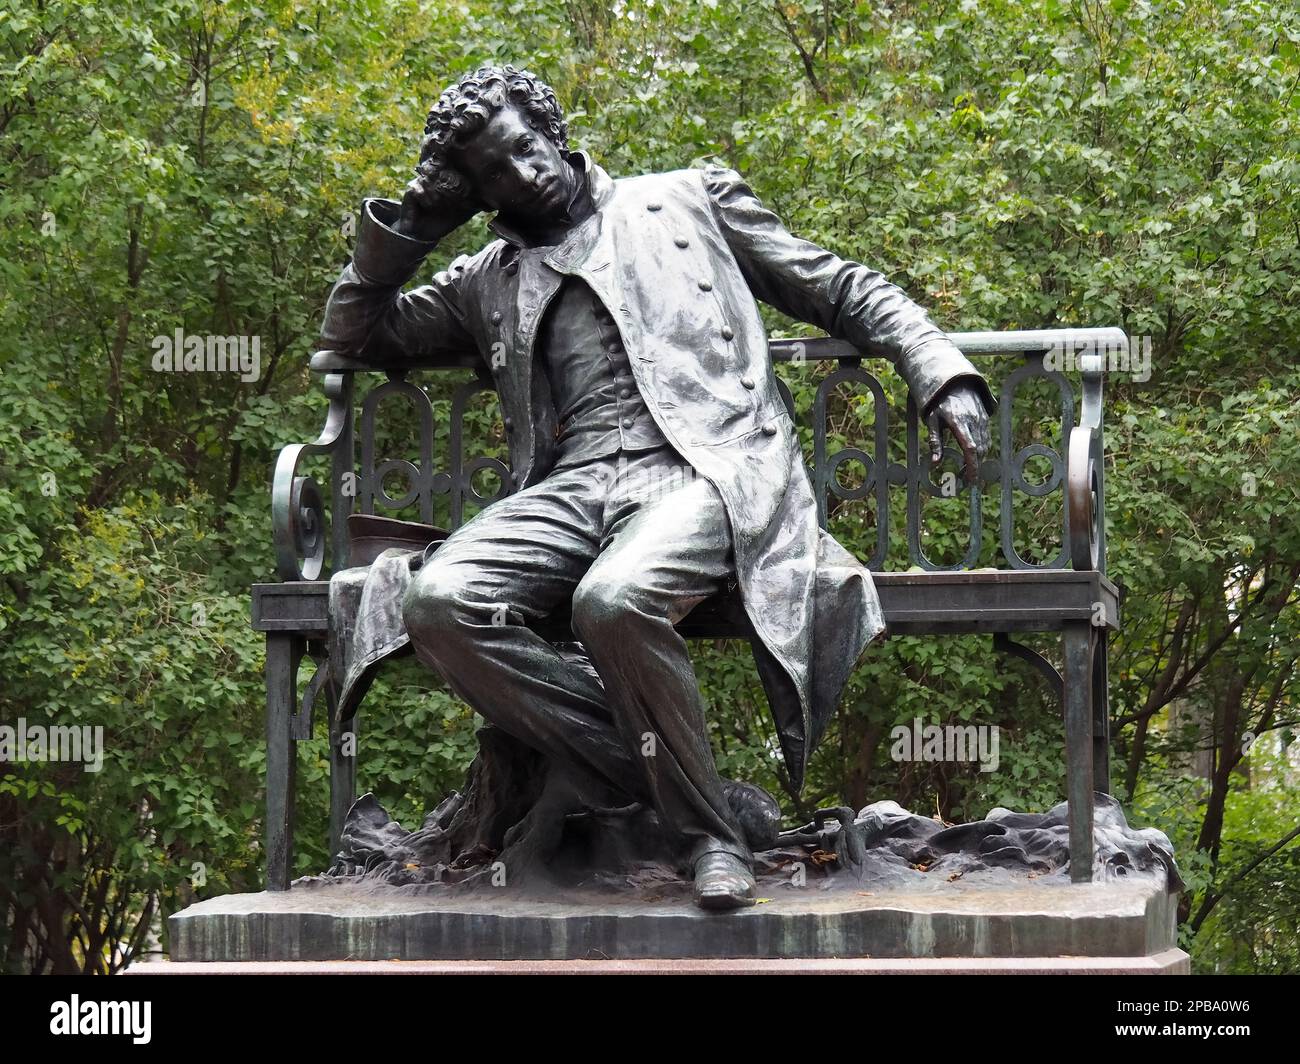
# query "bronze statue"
(655, 462)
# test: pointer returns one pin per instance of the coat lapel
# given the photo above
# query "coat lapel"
(541, 271)
(538, 284)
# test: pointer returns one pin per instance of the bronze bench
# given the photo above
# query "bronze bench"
(1068, 593)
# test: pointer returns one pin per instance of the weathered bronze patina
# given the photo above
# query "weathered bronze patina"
(655, 461)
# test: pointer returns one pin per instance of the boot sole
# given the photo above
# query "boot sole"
(722, 902)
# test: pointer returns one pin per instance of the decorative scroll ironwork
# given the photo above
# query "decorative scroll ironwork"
(1076, 474)
(300, 724)
(1086, 493)
(1013, 465)
(419, 477)
(875, 465)
(919, 481)
(462, 472)
(1004, 644)
(424, 481)
(917, 476)
(297, 511)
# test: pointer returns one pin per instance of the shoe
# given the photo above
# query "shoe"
(723, 881)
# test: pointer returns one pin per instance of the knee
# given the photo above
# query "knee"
(604, 607)
(433, 608)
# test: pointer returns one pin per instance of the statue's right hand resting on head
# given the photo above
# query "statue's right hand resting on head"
(432, 208)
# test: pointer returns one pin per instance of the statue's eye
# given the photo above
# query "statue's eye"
(525, 145)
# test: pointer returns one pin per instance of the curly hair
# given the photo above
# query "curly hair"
(465, 108)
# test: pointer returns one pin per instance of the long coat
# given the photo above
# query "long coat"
(677, 259)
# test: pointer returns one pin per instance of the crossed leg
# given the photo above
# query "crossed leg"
(467, 613)
(633, 564)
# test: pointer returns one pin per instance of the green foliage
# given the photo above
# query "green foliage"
(183, 164)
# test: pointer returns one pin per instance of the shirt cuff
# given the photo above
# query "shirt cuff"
(383, 256)
(935, 367)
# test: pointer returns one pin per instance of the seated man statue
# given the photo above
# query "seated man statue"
(654, 461)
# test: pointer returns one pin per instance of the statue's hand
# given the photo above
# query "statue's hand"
(433, 206)
(961, 412)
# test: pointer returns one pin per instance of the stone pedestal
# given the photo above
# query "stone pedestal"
(960, 927)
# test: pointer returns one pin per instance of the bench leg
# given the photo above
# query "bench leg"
(283, 653)
(1100, 713)
(343, 776)
(1079, 746)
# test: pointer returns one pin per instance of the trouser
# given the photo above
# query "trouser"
(635, 542)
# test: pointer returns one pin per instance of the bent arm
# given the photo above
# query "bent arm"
(846, 299)
(369, 317)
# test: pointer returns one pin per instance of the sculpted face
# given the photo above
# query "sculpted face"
(517, 170)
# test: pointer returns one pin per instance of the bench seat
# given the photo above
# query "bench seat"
(915, 603)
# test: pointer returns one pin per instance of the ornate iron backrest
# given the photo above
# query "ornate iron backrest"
(1076, 470)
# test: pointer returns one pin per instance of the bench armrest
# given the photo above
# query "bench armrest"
(1085, 468)
(333, 362)
(297, 508)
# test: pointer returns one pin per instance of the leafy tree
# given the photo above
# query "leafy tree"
(185, 164)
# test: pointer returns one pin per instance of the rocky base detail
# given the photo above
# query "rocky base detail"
(525, 824)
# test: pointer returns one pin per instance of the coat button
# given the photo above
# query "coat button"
(625, 393)
(727, 333)
(627, 422)
(769, 429)
(496, 317)
(613, 348)
(748, 382)
(681, 242)
(706, 286)
(654, 206)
